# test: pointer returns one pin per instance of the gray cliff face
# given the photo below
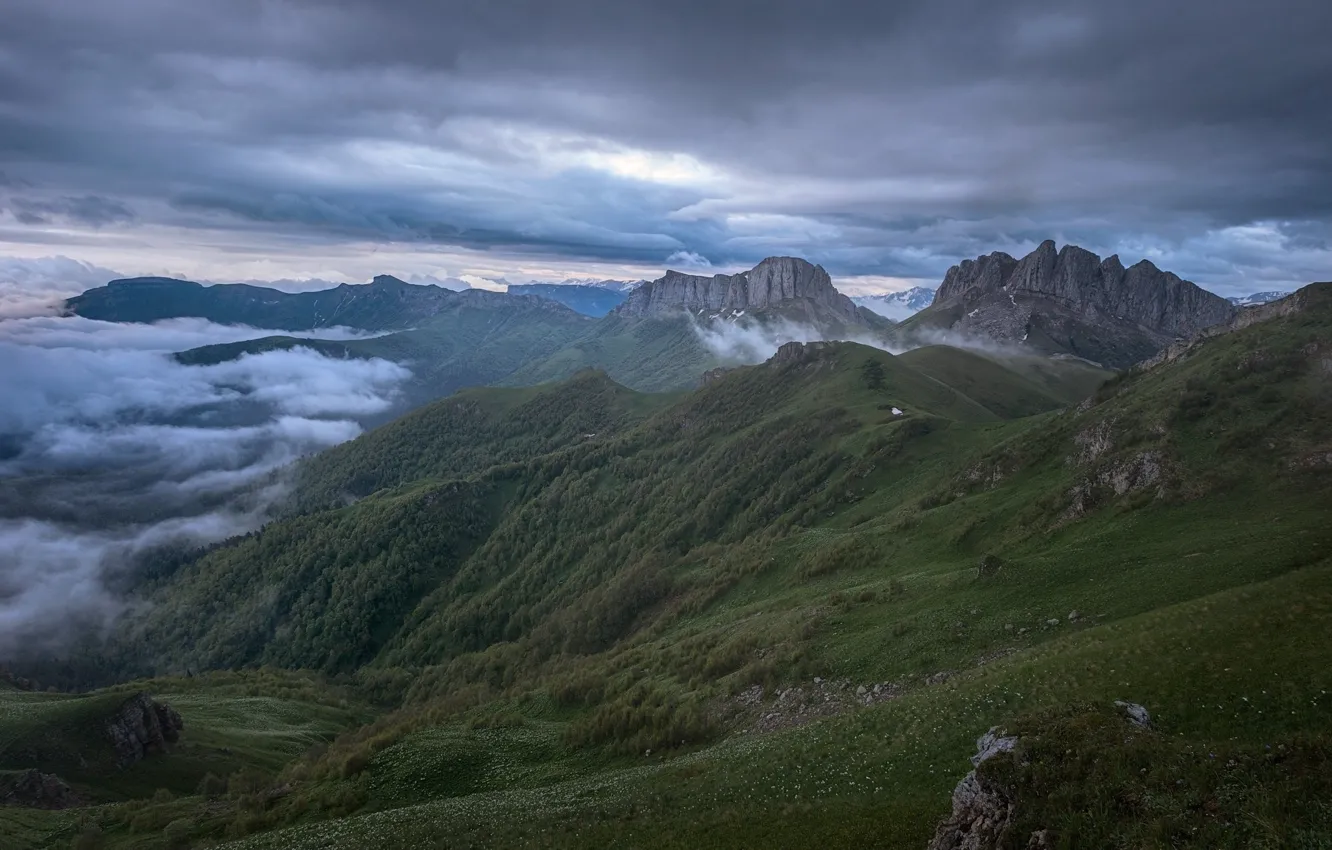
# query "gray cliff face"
(772, 283)
(1071, 301)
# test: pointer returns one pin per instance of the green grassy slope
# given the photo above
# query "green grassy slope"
(454, 561)
(999, 389)
(255, 722)
(651, 355)
(622, 649)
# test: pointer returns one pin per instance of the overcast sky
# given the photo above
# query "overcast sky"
(537, 139)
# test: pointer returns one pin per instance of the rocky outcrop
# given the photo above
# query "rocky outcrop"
(983, 812)
(770, 284)
(796, 352)
(1292, 304)
(1136, 714)
(1071, 301)
(142, 726)
(37, 790)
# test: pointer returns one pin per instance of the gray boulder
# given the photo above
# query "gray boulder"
(983, 813)
(1136, 714)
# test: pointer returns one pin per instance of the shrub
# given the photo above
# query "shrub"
(177, 833)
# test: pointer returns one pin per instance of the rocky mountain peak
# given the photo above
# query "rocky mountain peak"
(769, 284)
(1070, 300)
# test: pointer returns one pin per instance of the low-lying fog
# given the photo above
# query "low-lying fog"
(108, 446)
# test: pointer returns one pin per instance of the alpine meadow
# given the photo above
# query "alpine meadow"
(502, 426)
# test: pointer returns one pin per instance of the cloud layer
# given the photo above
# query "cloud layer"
(886, 140)
(109, 448)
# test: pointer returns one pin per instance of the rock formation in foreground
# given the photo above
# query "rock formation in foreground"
(142, 726)
(1070, 301)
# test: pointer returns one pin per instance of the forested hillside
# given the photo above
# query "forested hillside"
(777, 610)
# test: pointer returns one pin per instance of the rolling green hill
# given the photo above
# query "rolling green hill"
(477, 338)
(777, 611)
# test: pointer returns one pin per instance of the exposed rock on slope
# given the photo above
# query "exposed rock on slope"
(37, 790)
(1071, 301)
(982, 811)
(775, 282)
(142, 726)
(1293, 303)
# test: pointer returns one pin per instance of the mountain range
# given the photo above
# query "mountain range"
(587, 299)
(386, 303)
(1256, 298)
(776, 609)
(898, 305)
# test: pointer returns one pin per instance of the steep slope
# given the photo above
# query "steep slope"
(479, 477)
(595, 301)
(469, 433)
(1068, 301)
(386, 303)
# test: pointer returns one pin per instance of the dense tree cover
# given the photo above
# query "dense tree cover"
(470, 432)
(563, 532)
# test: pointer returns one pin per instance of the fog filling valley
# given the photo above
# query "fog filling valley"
(109, 448)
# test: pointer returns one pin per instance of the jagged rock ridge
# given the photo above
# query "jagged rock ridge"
(775, 282)
(1071, 301)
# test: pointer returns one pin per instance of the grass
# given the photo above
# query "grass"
(584, 676)
(1232, 673)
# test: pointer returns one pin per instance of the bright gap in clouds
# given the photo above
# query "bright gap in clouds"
(110, 448)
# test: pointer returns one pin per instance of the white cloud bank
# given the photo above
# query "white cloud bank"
(109, 447)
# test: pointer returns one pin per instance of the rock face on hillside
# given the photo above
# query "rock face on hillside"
(774, 283)
(1289, 305)
(1071, 301)
(142, 726)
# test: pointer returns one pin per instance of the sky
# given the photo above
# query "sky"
(298, 140)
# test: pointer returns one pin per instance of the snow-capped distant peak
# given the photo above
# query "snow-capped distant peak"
(898, 305)
(1256, 298)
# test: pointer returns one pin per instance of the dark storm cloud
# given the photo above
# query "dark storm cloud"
(91, 210)
(889, 138)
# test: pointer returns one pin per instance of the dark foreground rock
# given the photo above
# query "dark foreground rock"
(142, 726)
(37, 790)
